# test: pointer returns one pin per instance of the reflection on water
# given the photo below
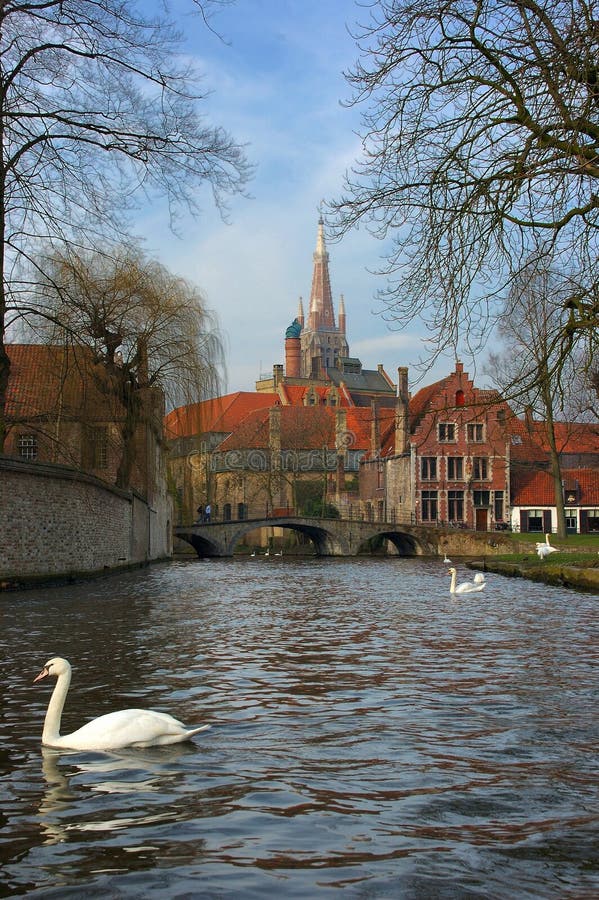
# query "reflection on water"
(370, 733)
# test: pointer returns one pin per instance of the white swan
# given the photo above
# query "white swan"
(466, 587)
(115, 730)
(447, 559)
(543, 550)
(267, 552)
(479, 578)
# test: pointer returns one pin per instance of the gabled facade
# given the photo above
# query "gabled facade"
(451, 463)
(466, 460)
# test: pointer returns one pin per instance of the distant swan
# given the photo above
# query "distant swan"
(466, 587)
(447, 559)
(543, 550)
(115, 730)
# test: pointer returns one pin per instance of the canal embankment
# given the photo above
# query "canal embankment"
(560, 574)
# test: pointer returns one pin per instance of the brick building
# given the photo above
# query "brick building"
(61, 408)
(460, 456)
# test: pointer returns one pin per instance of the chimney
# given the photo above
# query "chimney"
(274, 429)
(401, 411)
(528, 419)
(375, 438)
(341, 445)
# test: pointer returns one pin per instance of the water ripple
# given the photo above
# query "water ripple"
(370, 734)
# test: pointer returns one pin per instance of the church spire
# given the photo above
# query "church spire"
(322, 314)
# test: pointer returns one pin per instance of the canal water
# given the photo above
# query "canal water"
(369, 734)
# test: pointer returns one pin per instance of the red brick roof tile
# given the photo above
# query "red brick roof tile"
(534, 487)
(220, 414)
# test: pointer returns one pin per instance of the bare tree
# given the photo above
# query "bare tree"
(96, 108)
(531, 371)
(480, 144)
(147, 328)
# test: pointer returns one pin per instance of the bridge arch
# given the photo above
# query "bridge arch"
(405, 543)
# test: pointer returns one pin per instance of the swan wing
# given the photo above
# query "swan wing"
(127, 728)
(467, 587)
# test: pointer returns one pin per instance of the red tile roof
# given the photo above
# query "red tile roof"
(45, 380)
(302, 427)
(220, 414)
(533, 487)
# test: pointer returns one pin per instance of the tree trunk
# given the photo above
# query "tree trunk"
(556, 470)
(4, 360)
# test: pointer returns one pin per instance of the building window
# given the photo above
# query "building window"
(474, 433)
(480, 468)
(428, 468)
(571, 520)
(482, 498)
(380, 481)
(535, 519)
(459, 398)
(592, 520)
(501, 416)
(455, 506)
(455, 468)
(498, 508)
(27, 446)
(429, 506)
(227, 512)
(242, 511)
(447, 432)
(99, 447)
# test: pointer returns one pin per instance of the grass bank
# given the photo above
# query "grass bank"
(574, 565)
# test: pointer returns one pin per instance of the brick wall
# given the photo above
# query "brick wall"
(56, 521)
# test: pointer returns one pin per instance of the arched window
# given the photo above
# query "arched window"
(459, 398)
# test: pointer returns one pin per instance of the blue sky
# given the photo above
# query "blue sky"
(276, 81)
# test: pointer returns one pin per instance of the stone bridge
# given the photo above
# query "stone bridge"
(330, 537)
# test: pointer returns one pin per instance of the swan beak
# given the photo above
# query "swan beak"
(45, 672)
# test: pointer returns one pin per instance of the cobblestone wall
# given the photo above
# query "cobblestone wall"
(55, 521)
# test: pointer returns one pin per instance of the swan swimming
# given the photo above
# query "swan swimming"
(543, 550)
(113, 731)
(466, 587)
(446, 559)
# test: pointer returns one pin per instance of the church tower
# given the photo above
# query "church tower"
(322, 342)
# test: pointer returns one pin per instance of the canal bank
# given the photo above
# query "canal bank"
(580, 578)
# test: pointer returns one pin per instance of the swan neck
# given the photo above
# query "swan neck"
(453, 581)
(55, 707)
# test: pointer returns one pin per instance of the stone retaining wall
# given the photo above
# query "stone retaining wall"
(55, 521)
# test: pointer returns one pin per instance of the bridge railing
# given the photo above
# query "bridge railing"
(221, 514)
